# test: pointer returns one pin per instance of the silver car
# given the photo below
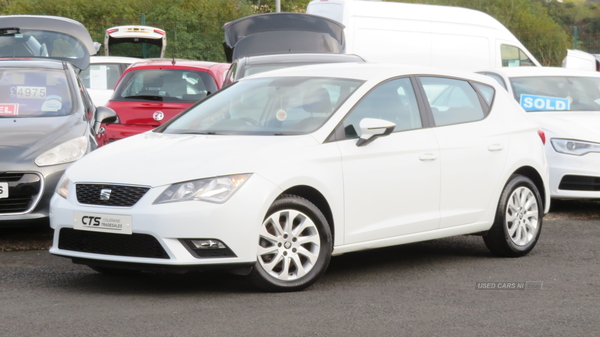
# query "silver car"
(47, 119)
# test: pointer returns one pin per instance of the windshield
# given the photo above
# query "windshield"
(267, 106)
(165, 85)
(562, 93)
(34, 93)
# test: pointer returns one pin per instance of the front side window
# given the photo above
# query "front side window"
(452, 101)
(34, 93)
(165, 85)
(267, 106)
(393, 101)
(514, 57)
(551, 93)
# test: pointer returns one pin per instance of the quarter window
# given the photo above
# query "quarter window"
(392, 101)
(452, 101)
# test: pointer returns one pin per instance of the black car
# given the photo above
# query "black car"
(250, 65)
(47, 119)
(264, 42)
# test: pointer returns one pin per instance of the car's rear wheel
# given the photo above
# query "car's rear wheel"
(518, 222)
(294, 245)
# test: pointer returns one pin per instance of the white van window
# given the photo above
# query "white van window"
(514, 57)
(101, 76)
(452, 101)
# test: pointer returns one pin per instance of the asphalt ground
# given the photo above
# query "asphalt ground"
(434, 288)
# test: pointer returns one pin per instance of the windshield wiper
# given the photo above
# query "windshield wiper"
(197, 133)
(148, 97)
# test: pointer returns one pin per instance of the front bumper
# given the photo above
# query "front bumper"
(31, 205)
(574, 177)
(168, 227)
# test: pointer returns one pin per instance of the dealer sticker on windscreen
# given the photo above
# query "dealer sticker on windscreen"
(544, 103)
(107, 223)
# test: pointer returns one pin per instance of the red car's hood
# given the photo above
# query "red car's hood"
(146, 113)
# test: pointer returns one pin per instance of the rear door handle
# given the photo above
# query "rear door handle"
(428, 157)
(496, 147)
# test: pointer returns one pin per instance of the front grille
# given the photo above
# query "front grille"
(23, 191)
(135, 245)
(9, 176)
(120, 195)
(579, 183)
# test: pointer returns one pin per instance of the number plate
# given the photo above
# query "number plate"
(3, 190)
(107, 223)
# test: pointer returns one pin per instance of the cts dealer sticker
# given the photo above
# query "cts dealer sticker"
(543, 103)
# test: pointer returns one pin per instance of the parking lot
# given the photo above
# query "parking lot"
(427, 288)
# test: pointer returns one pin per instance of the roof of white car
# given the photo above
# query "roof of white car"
(544, 71)
(370, 71)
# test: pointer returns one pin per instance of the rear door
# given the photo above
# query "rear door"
(473, 146)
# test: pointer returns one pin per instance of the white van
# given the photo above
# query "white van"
(430, 35)
(578, 59)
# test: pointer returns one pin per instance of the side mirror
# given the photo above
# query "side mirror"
(104, 115)
(372, 128)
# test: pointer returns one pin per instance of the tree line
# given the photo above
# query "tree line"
(194, 26)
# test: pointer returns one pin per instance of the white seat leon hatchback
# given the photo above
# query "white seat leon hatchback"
(278, 172)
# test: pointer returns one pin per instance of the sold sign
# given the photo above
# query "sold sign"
(543, 103)
(9, 109)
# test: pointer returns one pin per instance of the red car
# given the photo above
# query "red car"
(152, 92)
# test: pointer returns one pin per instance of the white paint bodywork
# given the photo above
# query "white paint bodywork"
(405, 187)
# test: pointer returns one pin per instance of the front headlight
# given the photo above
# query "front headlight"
(66, 152)
(574, 147)
(62, 188)
(217, 189)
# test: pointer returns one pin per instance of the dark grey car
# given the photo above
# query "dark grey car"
(47, 120)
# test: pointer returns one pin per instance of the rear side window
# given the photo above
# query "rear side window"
(452, 101)
(34, 93)
(486, 92)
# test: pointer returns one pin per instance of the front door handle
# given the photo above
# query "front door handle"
(428, 157)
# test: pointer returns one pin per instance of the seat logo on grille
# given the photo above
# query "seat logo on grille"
(105, 194)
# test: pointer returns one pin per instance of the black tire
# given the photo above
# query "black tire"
(294, 236)
(516, 230)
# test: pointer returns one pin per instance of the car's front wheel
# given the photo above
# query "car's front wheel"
(294, 245)
(518, 222)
